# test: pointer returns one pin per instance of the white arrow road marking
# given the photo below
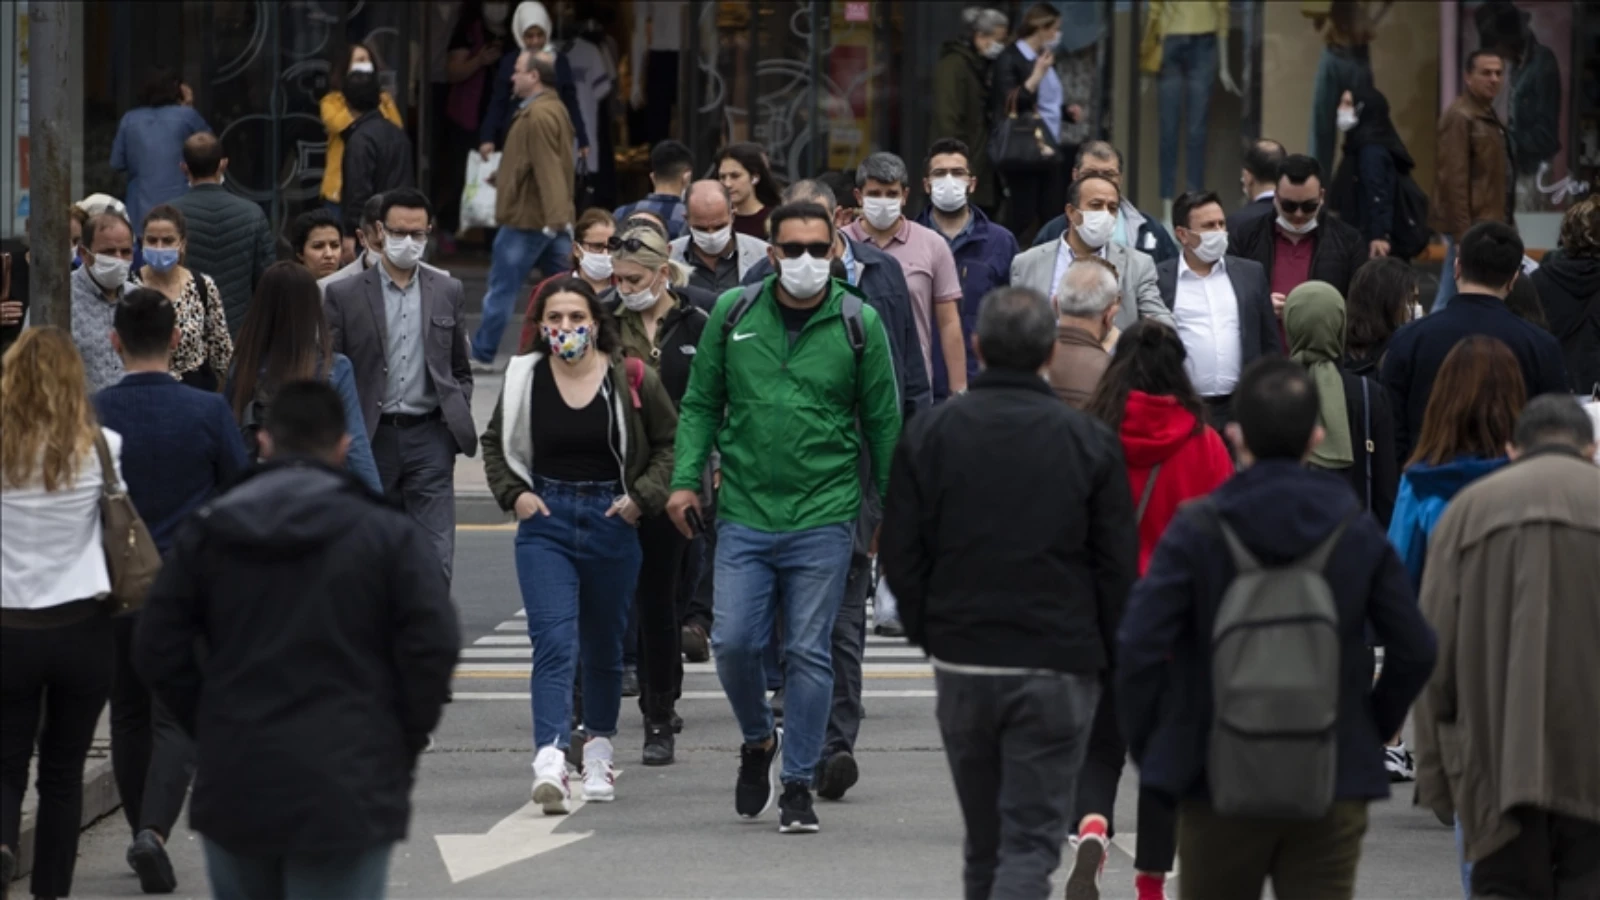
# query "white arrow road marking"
(522, 835)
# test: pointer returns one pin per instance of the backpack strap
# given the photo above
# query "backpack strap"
(1149, 488)
(1318, 560)
(635, 367)
(1366, 428)
(855, 327)
(747, 299)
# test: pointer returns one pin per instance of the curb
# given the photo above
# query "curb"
(100, 799)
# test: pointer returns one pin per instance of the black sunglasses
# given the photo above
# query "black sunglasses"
(1290, 207)
(631, 245)
(794, 250)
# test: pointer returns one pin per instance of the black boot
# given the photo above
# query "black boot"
(658, 732)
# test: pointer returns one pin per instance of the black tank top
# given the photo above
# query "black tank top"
(570, 444)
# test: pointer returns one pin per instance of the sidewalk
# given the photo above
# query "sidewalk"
(99, 793)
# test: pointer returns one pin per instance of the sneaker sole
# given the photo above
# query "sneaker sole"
(550, 797)
(598, 798)
(1084, 882)
(774, 773)
(799, 829)
(839, 774)
(154, 869)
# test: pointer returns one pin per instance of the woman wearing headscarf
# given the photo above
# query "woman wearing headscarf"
(1374, 161)
(1358, 431)
(531, 29)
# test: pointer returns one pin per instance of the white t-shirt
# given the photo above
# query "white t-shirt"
(50, 545)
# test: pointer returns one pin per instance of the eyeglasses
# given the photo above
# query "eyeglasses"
(1290, 207)
(595, 246)
(795, 249)
(421, 235)
(958, 172)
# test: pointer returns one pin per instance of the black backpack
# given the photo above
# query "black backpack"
(1408, 231)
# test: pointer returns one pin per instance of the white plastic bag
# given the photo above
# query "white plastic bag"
(1592, 407)
(477, 197)
(885, 610)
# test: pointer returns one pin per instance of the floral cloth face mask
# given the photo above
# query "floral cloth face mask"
(568, 343)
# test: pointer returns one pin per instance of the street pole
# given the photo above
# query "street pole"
(49, 163)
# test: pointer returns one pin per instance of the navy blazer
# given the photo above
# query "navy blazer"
(1258, 325)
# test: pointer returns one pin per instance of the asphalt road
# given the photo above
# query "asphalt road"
(672, 831)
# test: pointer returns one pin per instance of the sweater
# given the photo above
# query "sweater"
(230, 240)
(1157, 430)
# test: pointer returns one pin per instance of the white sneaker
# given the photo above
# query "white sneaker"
(599, 775)
(550, 787)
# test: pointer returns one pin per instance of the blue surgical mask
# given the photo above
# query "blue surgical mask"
(161, 259)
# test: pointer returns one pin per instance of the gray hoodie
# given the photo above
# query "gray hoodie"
(91, 330)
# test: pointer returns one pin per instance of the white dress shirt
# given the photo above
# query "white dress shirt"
(1207, 315)
(1065, 256)
(50, 550)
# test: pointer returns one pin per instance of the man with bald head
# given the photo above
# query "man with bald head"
(228, 236)
(718, 259)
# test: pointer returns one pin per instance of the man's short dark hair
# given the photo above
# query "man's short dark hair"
(670, 160)
(1262, 157)
(1016, 329)
(1553, 419)
(202, 154)
(843, 185)
(801, 211)
(405, 198)
(1490, 254)
(945, 146)
(1300, 168)
(1076, 188)
(305, 418)
(1276, 406)
(1473, 57)
(1098, 150)
(361, 92)
(144, 319)
(1190, 201)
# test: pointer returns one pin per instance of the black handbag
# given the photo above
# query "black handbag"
(1021, 143)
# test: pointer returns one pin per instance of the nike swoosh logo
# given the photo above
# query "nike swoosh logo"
(739, 337)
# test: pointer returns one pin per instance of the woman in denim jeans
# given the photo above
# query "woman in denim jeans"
(603, 428)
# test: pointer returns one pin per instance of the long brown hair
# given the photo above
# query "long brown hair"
(284, 337)
(1149, 358)
(44, 402)
(1473, 409)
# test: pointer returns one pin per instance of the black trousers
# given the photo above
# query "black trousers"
(1554, 856)
(1097, 791)
(660, 644)
(695, 601)
(56, 678)
(151, 757)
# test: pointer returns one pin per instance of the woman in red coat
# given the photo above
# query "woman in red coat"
(1172, 456)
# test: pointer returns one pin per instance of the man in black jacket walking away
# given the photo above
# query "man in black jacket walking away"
(377, 154)
(1009, 539)
(331, 641)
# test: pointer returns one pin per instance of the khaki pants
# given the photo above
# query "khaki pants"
(1225, 856)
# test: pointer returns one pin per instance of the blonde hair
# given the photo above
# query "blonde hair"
(653, 253)
(44, 403)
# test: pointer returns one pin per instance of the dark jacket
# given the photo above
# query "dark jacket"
(1008, 533)
(883, 283)
(1150, 237)
(1418, 349)
(961, 109)
(377, 158)
(1280, 511)
(1338, 253)
(230, 240)
(983, 255)
(1374, 160)
(677, 339)
(1258, 325)
(1249, 213)
(330, 643)
(1569, 288)
(1471, 168)
(180, 445)
(1376, 468)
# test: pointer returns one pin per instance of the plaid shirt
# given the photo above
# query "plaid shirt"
(670, 207)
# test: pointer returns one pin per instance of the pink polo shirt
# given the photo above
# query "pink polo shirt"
(930, 272)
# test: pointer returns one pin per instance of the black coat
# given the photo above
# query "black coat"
(1008, 533)
(330, 643)
(1338, 253)
(1371, 420)
(1248, 215)
(1569, 290)
(377, 158)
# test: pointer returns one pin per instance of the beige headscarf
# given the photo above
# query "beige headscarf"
(1313, 318)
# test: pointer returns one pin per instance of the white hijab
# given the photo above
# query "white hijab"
(529, 14)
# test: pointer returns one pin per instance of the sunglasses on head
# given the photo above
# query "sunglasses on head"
(1290, 207)
(794, 250)
(631, 245)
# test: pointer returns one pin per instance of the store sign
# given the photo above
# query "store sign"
(856, 12)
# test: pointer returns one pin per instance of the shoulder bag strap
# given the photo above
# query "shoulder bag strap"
(1366, 428)
(1149, 489)
(109, 486)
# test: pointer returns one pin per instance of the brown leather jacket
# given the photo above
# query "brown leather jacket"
(533, 187)
(1470, 181)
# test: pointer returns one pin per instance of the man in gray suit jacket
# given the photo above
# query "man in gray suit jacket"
(1092, 203)
(1222, 304)
(404, 328)
(369, 243)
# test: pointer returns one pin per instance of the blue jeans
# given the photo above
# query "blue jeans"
(577, 569)
(1466, 867)
(808, 568)
(1447, 278)
(1188, 66)
(357, 875)
(516, 252)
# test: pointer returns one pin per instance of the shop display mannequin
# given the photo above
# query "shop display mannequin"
(1185, 46)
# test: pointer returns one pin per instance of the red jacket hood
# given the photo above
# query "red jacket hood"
(1154, 428)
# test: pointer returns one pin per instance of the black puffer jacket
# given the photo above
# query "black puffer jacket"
(1569, 288)
(331, 643)
(230, 240)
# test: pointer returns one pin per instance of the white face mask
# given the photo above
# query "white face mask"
(403, 253)
(881, 212)
(1097, 227)
(595, 266)
(1346, 119)
(805, 277)
(1307, 228)
(713, 242)
(373, 257)
(1213, 245)
(994, 50)
(639, 301)
(949, 193)
(109, 271)
(362, 67)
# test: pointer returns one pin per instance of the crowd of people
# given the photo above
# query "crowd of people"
(1167, 494)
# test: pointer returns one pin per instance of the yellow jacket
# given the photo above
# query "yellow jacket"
(336, 117)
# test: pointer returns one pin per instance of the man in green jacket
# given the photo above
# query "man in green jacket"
(779, 389)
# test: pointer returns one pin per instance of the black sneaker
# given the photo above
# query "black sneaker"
(758, 777)
(837, 774)
(795, 814)
(696, 645)
(658, 744)
(575, 742)
(149, 860)
(777, 704)
(630, 682)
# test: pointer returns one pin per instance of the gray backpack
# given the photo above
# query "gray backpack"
(1275, 657)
